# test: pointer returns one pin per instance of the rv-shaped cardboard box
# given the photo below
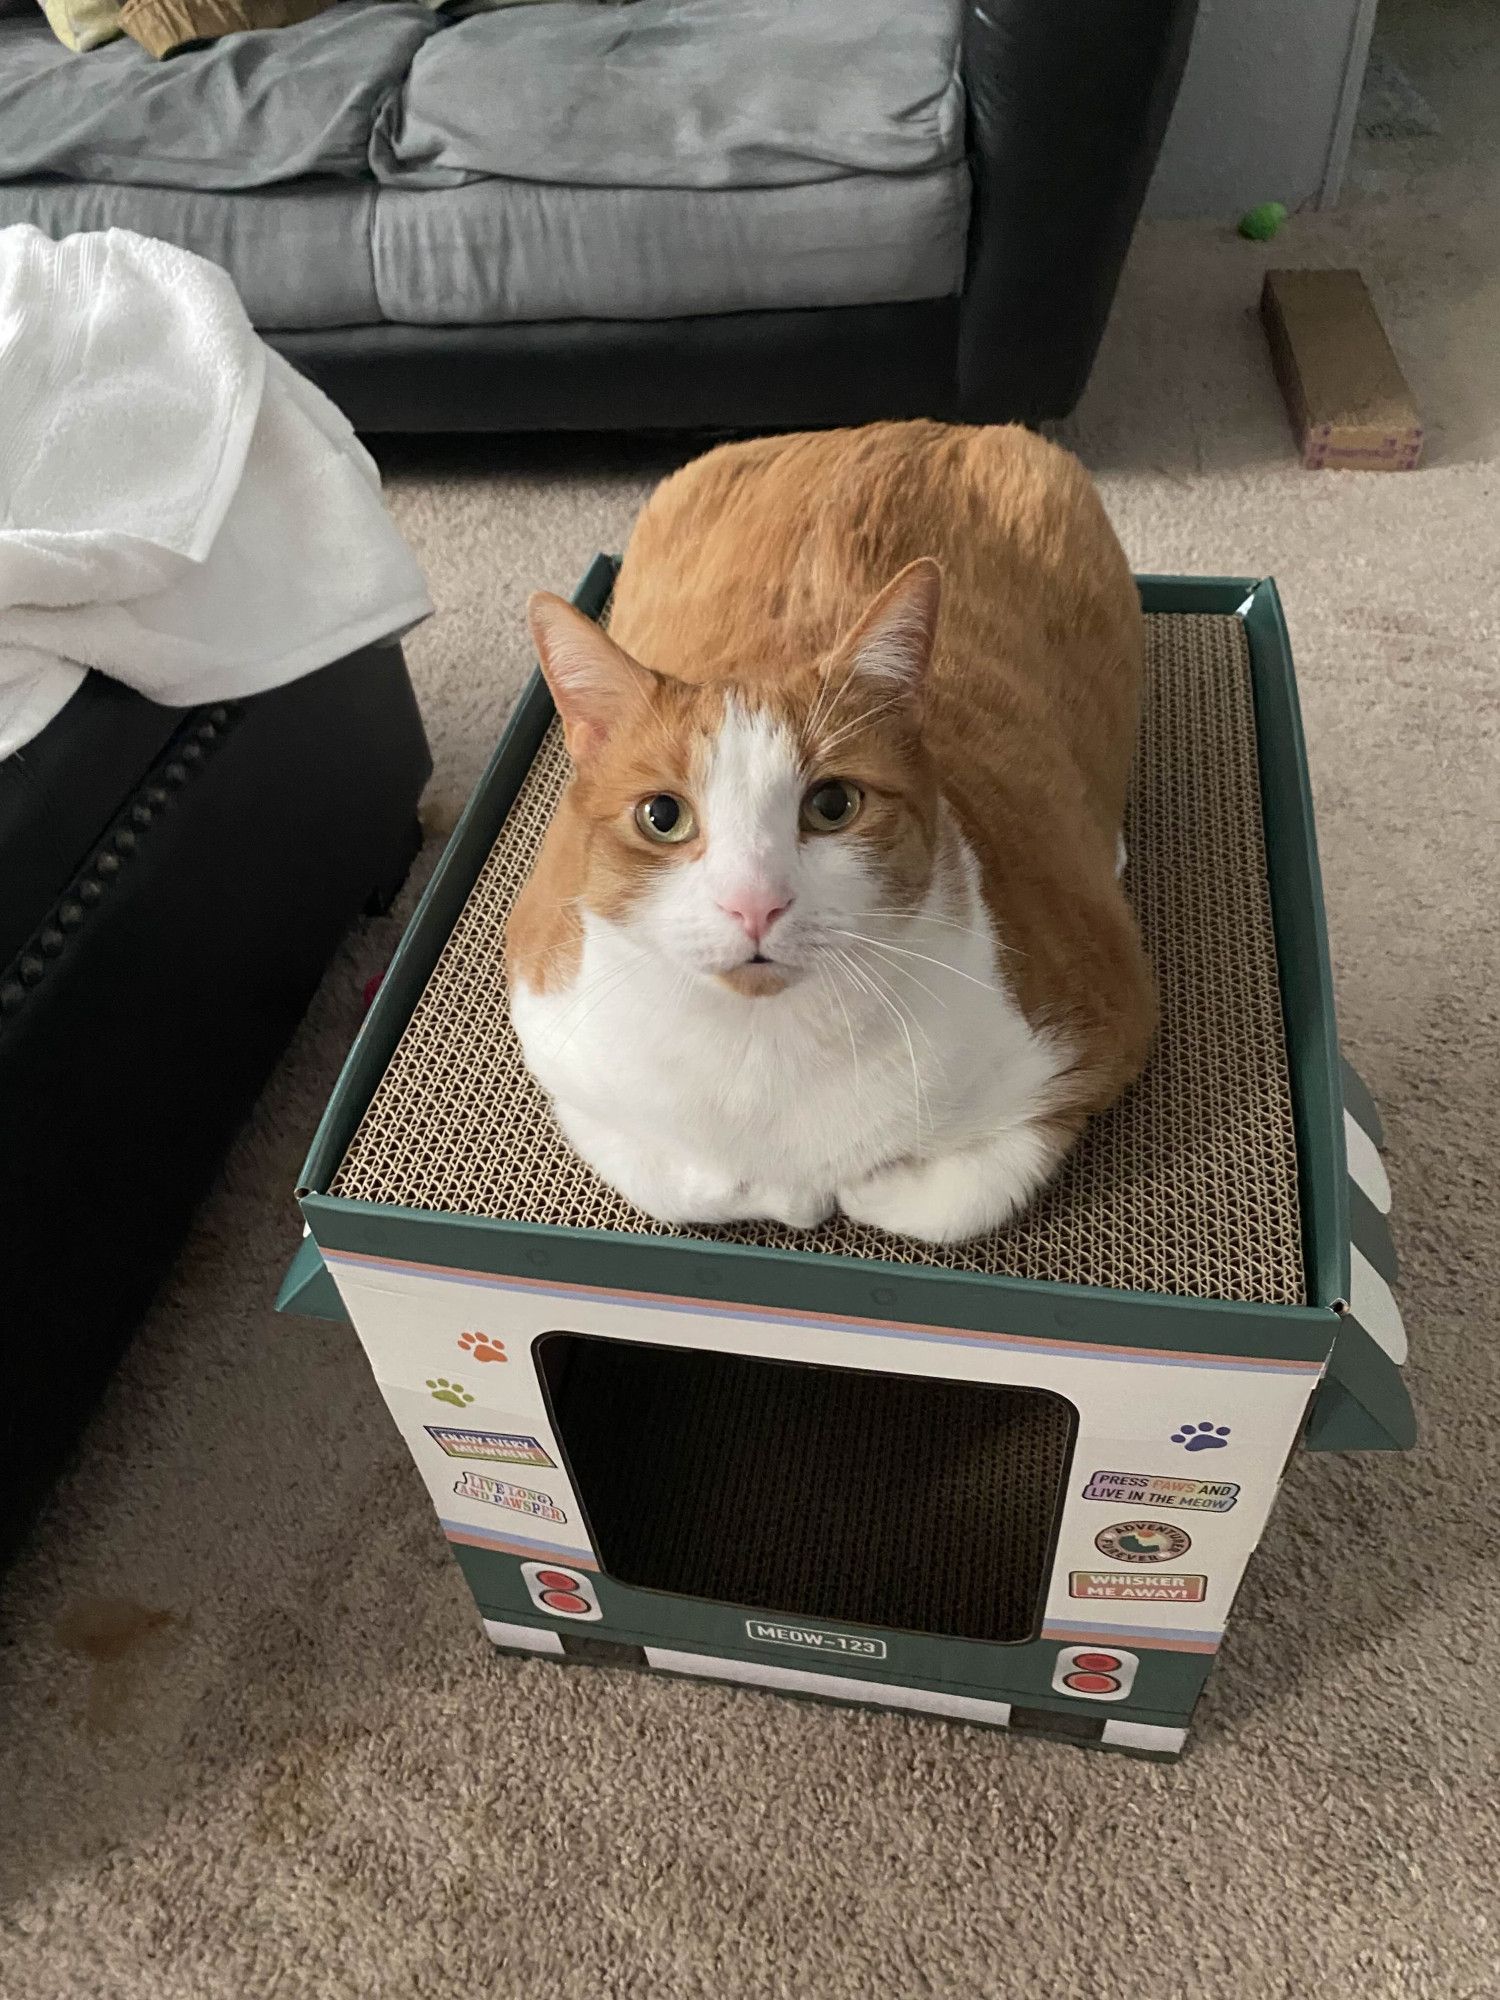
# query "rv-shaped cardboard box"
(1013, 1482)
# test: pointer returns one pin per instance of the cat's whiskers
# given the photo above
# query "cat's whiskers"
(873, 972)
(816, 718)
(883, 945)
(825, 973)
(865, 975)
(861, 721)
(669, 749)
(609, 981)
(948, 923)
(920, 984)
(677, 990)
(1001, 946)
(564, 945)
(921, 1109)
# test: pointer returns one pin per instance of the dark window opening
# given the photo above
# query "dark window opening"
(924, 1505)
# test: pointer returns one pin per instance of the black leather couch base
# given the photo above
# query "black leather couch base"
(731, 371)
(175, 883)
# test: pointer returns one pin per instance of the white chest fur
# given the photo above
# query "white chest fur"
(897, 1079)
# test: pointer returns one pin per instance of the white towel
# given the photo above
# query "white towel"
(178, 507)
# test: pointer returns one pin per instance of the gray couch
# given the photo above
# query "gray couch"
(739, 211)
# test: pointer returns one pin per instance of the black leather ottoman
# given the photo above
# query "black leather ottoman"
(172, 884)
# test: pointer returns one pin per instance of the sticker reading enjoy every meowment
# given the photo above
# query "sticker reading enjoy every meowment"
(499, 1447)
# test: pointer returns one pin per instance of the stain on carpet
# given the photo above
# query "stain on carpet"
(124, 1643)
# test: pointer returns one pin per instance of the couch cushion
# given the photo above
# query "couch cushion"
(681, 93)
(242, 113)
(299, 256)
(501, 251)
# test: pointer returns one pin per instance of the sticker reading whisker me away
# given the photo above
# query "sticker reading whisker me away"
(1175, 1587)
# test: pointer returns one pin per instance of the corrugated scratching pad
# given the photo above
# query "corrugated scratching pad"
(1189, 1186)
(926, 1505)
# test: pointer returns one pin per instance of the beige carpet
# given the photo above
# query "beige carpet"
(253, 1741)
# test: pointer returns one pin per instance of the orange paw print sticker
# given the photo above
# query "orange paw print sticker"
(483, 1347)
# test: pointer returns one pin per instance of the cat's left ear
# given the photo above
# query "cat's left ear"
(892, 643)
(596, 685)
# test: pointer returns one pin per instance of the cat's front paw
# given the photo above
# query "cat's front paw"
(650, 1177)
(935, 1201)
(793, 1208)
(953, 1196)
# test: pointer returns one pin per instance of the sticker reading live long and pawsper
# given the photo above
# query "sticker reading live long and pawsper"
(499, 1447)
(1143, 1542)
(1165, 1587)
(1162, 1489)
(500, 1493)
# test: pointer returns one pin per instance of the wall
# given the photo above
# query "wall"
(1267, 106)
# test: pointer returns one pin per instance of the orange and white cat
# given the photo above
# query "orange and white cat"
(830, 911)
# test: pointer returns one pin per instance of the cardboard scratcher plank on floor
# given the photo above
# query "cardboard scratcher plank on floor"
(1347, 399)
(1189, 1186)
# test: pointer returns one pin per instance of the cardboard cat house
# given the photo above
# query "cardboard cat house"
(1015, 1481)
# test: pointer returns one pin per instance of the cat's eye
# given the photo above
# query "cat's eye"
(831, 805)
(666, 819)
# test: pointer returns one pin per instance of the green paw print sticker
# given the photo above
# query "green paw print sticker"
(444, 1391)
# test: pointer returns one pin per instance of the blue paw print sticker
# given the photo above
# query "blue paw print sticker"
(1201, 1437)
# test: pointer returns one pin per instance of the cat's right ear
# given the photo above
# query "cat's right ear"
(595, 684)
(893, 641)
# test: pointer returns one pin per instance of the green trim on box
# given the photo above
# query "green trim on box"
(816, 1283)
(1302, 949)
(1363, 1403)
(308, 1289)
(1360, 1105)
(1215, 596)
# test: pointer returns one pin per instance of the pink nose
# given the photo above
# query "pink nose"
(755, 909)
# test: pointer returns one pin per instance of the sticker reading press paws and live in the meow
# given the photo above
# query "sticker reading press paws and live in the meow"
(1143, 1542)
(499, 1447)
(500, 1493)
(1162, 1489)
(1166, 1587)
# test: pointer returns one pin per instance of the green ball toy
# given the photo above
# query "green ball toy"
(1260, 224)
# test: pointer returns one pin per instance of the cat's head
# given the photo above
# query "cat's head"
(752, 829)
